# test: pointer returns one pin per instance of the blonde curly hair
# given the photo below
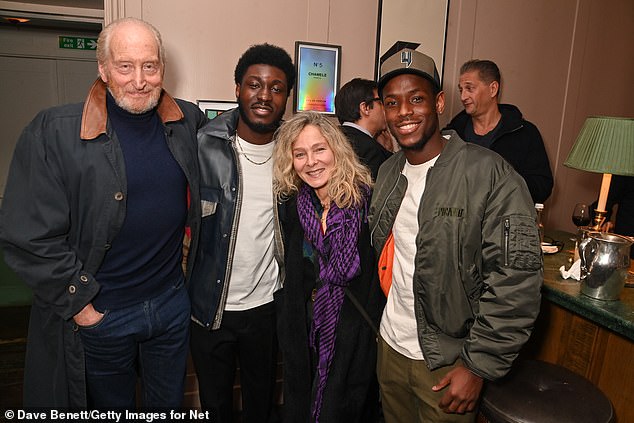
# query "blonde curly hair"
(349, 177)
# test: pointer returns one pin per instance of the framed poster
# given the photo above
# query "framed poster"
(213, 108)
(317, 77)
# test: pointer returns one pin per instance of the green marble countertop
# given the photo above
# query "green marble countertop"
(617, 316)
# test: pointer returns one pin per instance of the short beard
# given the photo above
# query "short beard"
(416, 147)
(127, 106)
(259, 128)
(420, 144)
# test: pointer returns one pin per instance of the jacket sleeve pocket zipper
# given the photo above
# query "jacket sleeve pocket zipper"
(507, 234)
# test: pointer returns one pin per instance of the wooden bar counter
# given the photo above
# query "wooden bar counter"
(591, 337)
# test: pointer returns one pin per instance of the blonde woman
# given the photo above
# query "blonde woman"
(331, 299)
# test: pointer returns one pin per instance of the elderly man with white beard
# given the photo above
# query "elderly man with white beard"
(93, 220)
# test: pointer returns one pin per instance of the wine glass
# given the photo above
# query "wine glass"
(580, 217)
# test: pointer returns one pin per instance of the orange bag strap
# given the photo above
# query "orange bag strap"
(386, 263)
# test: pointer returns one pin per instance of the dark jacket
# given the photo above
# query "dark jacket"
(63, 205)
(351, 387)
(621, 194)
(370, 152)
(520, 143)
(478, 264)
(221, 200)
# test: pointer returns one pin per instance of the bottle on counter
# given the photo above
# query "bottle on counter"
(539, 208)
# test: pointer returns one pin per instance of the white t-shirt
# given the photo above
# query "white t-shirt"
(398, 324)
(254, 272)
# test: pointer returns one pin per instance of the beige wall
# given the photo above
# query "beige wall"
(204, 39)
(561, 61)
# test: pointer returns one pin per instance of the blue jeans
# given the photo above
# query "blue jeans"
(150, 337)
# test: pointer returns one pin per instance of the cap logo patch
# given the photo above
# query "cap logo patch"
(406, 57)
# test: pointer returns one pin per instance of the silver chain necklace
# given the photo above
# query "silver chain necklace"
(247, 157)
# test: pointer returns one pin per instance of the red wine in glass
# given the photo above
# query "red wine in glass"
(581, 215)
(581, 221)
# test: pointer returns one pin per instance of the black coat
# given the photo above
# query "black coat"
(370, 152)
(351, 391)
(60, 212)
(621, 194)
(520, 143)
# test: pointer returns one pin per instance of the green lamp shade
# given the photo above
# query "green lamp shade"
(604, 145)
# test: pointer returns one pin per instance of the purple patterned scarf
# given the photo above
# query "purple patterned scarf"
(339, 262)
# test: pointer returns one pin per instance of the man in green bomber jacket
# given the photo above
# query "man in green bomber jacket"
(460, 260)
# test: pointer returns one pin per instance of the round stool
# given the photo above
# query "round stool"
(540, 392)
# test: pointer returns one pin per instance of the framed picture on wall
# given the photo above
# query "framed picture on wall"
(213, 108)
(318, 76)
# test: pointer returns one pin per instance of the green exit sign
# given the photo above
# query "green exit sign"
(78, 43)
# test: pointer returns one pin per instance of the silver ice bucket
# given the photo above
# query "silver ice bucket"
(605, 259)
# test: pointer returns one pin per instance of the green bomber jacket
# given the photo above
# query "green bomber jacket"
(478, 263)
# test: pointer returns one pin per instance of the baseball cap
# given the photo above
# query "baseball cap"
(408, 61)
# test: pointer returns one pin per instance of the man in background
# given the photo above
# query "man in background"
(459, 256)
(360, 112)
(501, 127)
(621, 195)
(239, 264)
(93, 221)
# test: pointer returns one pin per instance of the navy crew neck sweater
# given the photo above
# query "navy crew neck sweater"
(145, 256)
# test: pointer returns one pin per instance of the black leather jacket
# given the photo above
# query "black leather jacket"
(221, 199)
